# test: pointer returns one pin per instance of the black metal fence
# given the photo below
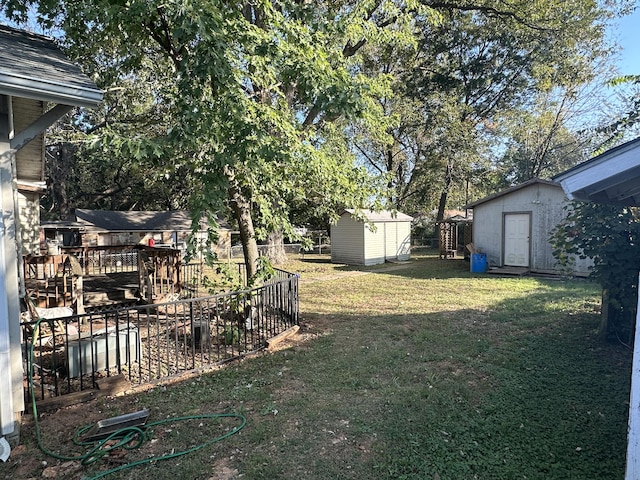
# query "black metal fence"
(152, 342)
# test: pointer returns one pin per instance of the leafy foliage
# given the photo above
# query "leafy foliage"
(610, 236)
(284, 112)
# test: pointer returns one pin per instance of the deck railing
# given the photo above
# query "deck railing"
(57, 280)
(151, 342)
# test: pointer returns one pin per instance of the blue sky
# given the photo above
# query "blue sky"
(627, 31)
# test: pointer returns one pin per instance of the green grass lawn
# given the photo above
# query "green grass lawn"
(423, 372)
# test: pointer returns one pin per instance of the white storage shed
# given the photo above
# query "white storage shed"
(383, 236)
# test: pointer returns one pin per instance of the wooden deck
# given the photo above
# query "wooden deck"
(512, 271)
(110, 289)
(103, 278)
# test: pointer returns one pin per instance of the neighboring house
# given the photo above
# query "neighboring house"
(34, 74)
(512, 227)
(110, 228)
(614, 177)
(383, 236)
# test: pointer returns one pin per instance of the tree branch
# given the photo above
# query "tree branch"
(488, 11)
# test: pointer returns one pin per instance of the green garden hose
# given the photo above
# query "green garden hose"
(128, 438)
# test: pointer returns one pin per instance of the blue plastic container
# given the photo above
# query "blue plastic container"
(479, 262)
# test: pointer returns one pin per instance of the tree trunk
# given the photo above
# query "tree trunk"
(57, 170)
(275, 248)
(604, 316)
(442, 204)
(241, 207)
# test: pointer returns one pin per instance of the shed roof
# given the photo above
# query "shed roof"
(612, 177)
(515, 188)
(147, 221)
(382, 216)
(33, 66)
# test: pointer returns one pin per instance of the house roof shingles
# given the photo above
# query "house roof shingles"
(132, 221)
(110, 220)
(32, 66)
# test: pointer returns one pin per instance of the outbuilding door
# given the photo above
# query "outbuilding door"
(517, 228)
(390, 240)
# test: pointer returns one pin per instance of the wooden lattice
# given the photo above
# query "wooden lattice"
(447, 239)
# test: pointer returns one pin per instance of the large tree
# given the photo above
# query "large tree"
(97, 159)
(487, 59)
(261, 106)
(251, 93)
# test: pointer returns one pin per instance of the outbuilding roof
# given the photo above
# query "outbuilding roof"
(382, 216)
(33, 66)
(515, 188)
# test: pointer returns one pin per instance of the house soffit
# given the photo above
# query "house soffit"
(612, 177)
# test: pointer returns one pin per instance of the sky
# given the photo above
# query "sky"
(627, 31)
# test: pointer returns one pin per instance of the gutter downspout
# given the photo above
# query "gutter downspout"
(16, 205)
(7, 291)
(6, 387)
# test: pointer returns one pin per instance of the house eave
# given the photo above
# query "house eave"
(610, 178)
(40, 89)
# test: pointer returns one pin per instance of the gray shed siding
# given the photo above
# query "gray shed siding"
(544, 203)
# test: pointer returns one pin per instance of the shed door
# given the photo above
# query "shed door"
(516, 239)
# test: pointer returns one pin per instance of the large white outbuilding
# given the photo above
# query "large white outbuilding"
(513, 227)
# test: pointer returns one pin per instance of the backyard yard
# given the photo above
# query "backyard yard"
(420, 370)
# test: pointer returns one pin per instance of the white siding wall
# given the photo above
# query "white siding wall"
(545, 203)
(353, 243)
(391, 240)
(29, 159)
(29, 210)
(374, 244)
(347, 240)
(11, 403)
(404, 240)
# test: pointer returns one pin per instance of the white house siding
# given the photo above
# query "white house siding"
(544, 203)
(29, 210)
(29, 165)
(11, 402)
(347, 240)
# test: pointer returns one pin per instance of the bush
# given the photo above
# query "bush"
(610, 236)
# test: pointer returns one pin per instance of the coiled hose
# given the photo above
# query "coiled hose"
(128, 438)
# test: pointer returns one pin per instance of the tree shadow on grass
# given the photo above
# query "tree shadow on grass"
(523, 389)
